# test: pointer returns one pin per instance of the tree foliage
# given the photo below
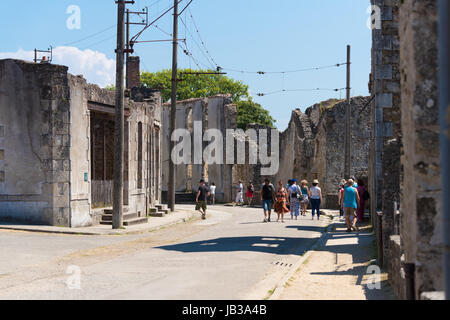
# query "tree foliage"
(195, 86)
(252, 112)
(201, 86)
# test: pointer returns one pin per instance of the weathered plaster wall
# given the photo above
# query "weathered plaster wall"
(34, 104)
(80, 154)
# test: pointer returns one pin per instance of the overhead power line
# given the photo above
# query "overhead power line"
(337, 65)
(91, 36)
(297, 90)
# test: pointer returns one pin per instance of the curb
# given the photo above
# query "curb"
(280, 286)
(109, 233)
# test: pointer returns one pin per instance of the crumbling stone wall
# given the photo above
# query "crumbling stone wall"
(421, 207)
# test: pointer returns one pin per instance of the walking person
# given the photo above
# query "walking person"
(288, 186)
(351, 202)
(315, 194)
(250, 193)
(305, 196)
(294, 199)
(267, 197)
(280, 202)
(201, 198)
(362, 192)
(212, 191)
(341, 198)
(240, 194)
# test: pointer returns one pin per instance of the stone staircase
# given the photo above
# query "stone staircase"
(160, 210)
(129, 219)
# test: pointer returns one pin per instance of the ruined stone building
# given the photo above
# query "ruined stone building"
(57, 147)
(405, 159)
(312, 147)
(198, 116)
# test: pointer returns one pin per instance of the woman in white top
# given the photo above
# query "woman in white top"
(315, 193)
(212, 191)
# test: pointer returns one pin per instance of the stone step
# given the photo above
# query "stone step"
(153, 210)
(165, 211)
(161, 207)
(156, 214)
(110, 211)
(128, 216)
(133, 222)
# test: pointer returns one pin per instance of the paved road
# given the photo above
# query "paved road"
(231, 255)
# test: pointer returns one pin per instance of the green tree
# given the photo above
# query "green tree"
(252, 112)
(195, 86)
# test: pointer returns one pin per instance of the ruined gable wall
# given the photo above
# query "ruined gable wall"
(313, 145)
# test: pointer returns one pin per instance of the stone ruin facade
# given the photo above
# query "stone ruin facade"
(216, 112)
(57, 147)
(405, 155)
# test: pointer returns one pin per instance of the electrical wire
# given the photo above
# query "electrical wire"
(297, 90)
(91, 36)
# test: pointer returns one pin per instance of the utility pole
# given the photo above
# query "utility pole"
(128, 49)
(173, 108)
(129, 43)
(348, 136)
(117, 219)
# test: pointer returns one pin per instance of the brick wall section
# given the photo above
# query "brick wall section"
(421, 233)
(134, 73)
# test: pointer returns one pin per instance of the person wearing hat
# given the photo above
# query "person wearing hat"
(294, 197)
(351, 203)
(315, 193)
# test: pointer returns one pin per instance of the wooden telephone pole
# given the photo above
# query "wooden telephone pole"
(173, 108)
(348, 135)
(117, 220)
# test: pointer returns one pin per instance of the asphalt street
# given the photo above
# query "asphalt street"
(231, 255)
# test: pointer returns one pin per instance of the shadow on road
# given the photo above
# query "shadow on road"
(273, 245)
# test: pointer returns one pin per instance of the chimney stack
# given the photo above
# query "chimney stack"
(133, 72)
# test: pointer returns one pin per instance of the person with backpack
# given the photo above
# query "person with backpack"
(267, 198)
(364, 194)
(294, 199)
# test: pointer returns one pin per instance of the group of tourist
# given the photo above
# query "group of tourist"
(294, 198)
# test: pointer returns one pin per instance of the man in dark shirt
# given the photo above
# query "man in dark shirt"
(202, 196)
(267, 198)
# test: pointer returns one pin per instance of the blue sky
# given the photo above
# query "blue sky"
(253, 35)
